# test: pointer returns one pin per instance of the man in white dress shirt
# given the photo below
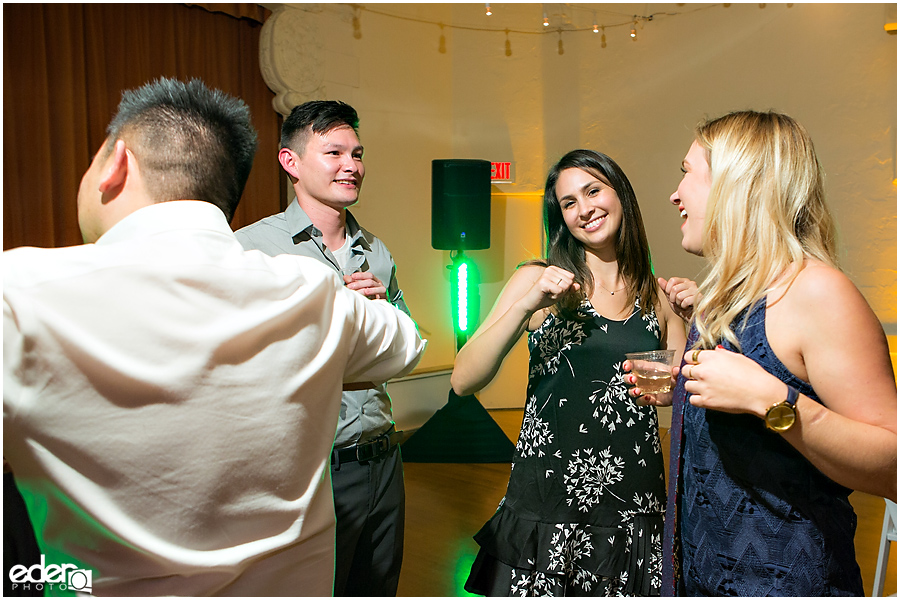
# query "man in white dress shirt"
(170, 400)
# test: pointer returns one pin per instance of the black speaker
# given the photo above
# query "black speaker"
(460, 204)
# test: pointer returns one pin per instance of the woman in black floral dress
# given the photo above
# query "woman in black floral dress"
(583, 512)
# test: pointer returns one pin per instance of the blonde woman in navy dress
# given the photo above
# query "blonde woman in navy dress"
(787, 399)
(583, 511)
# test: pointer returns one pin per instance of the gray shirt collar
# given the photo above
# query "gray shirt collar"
(302, 228)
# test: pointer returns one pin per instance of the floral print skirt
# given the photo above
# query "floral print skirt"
(583, 512)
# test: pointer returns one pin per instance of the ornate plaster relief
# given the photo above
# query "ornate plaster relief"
(290, 55)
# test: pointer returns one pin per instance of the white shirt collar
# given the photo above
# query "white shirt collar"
(167, 216)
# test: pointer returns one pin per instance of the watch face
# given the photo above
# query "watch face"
(780, 417)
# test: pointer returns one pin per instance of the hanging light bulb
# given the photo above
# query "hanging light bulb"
(357, 30)
(603, 37)
(559, 46)
(546, 20)
(442, 43)
(596, 29)
(508, 45)
(634, 31)
(487, 9)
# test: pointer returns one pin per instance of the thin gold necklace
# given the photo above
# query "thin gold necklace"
(607, 289)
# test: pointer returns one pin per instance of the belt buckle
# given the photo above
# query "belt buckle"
(384, 444)
(373, 449)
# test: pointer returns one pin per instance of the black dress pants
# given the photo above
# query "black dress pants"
(369, 501)
(19, 544)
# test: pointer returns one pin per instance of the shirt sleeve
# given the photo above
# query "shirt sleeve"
(394, 293)
(12, 360)
(387, 342)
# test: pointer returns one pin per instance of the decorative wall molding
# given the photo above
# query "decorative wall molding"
(290, 60)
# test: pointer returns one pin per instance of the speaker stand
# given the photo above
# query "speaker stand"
(462, 431)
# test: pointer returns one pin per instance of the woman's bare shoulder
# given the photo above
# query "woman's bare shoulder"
(821, 294)
(819, 282)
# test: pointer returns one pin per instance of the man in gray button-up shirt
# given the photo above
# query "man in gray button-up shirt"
(321, 152)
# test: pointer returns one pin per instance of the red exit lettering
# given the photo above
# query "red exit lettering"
(500, 171)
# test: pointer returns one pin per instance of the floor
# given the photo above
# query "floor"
(447, 503)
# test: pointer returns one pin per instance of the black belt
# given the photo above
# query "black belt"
(371, 450)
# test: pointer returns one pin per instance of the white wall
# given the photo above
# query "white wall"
(832, 66)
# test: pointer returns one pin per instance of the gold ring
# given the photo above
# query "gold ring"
(694, 356)
(690, 372)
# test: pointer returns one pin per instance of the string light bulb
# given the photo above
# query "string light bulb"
(487, 9)
(357, 30)
(596, 28)
(559, 46)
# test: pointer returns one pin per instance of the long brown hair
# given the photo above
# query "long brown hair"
(632, 249)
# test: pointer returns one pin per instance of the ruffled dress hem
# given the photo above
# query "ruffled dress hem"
(582, 559)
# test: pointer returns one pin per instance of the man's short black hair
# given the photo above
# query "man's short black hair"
(191, 142)
(316, 116)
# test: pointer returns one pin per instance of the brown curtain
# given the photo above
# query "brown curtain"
(64, 69)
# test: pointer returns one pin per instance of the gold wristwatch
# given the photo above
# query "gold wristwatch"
(781, 416)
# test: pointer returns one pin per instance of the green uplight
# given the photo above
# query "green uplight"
(464, 296)
(462, 305)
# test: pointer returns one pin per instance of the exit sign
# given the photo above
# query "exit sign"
(501, 172)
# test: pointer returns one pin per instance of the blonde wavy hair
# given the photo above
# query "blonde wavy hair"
(765, 214)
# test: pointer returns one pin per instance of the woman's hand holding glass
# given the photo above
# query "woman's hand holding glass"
(642, 399)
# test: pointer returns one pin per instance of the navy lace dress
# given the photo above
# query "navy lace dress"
(756, 517)
(583, 511)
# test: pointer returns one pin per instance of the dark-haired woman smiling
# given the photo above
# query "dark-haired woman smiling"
(583, 511)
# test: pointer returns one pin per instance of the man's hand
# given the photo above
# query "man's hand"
(681, 294)
(366, 284)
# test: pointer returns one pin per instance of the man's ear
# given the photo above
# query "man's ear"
(288, 159)
(116, 169)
